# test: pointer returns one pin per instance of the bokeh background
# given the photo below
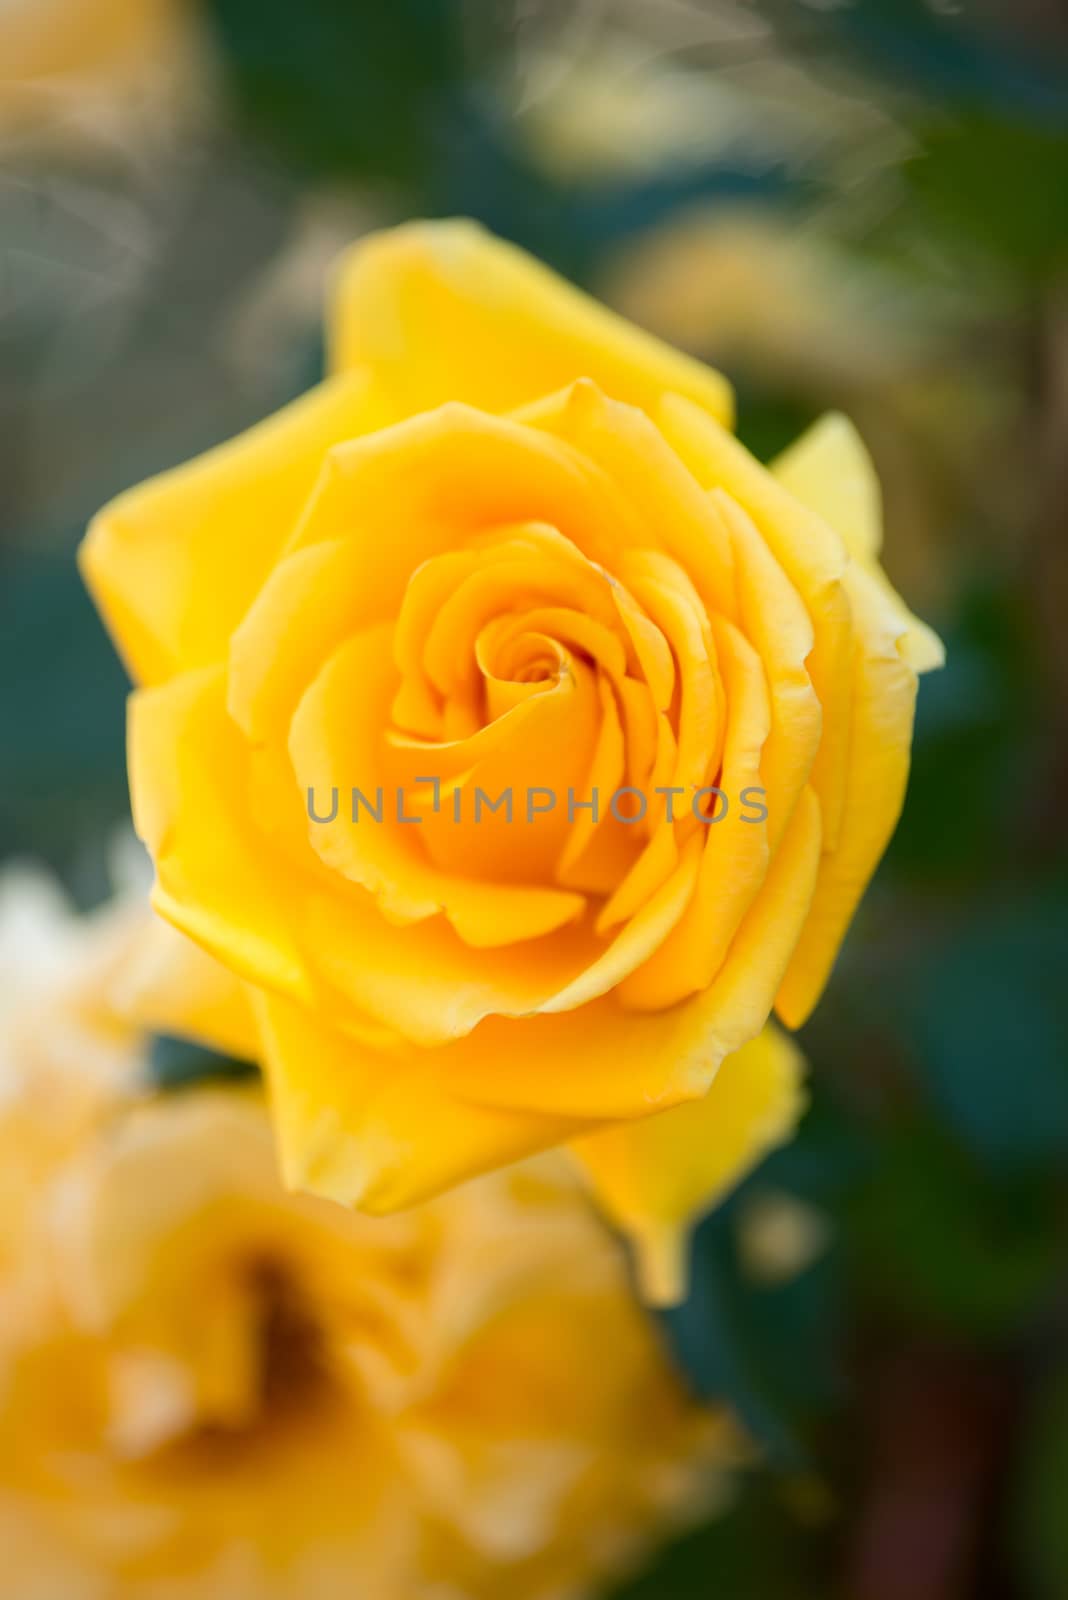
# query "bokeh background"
(857, 205)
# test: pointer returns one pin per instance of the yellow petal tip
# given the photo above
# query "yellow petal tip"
(662, 1262)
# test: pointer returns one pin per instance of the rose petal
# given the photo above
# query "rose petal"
(734, 850)
(830, 470)
(373, 1131)
(188, 783)
(336, 739)
(170, 985)
(656, 1177)
(813, 557)
(174, 563)
(884, 703)
(603, 1060)
(775, 622)
(663, 497)
(444, 311)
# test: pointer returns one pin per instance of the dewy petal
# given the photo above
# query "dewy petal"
(830, 470)
(188, 785)
(443, 311)
(656, 1177)
(375, 1130)
(174, 563)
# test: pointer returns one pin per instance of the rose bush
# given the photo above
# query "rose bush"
(511, 542)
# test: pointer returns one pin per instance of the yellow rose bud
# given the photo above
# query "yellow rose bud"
(509, 548)
(235, 1392)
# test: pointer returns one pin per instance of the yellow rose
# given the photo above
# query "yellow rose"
(240, 1394)
(511, 545)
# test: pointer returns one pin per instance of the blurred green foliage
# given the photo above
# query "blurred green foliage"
(177, 1063)
(342, 92)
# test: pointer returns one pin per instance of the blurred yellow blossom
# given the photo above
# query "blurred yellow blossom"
(769, 298)
(67, 1051)
(612, 90)
(72, 67)
(237, 1393)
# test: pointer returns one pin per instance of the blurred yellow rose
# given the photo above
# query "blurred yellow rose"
(511, 545)
(237, 1393)
(72, 68)
(68, 1051)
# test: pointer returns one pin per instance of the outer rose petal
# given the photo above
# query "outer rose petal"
(188, 778)
(444, 311)
(880, 746)
(174, 563)
(830, 470)
(372, 1131)
(656, 1177)
(170, 985)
